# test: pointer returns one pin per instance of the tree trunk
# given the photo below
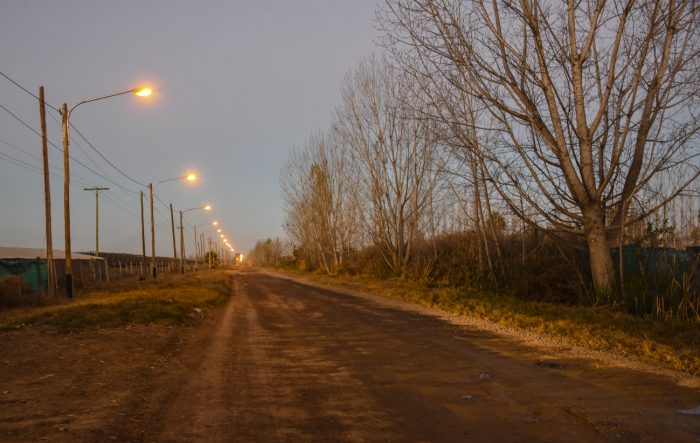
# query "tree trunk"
(602, 269)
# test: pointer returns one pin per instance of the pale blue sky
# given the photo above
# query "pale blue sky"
(237, 84)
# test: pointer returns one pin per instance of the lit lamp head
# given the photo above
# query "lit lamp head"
(207, 208)
(215, 223)
(191, 177)
(143, 92)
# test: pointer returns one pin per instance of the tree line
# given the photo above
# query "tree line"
(506, 143)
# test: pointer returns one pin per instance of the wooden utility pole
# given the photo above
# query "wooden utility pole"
(182, 246)
(154, 272)
(196, 250)
(143, 241)
(172, 226)
(210, 254)
(66, 201)
(50, 265)
(97, 216)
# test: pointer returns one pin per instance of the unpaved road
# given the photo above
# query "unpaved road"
(283, 361)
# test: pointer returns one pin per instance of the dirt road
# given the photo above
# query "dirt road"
(284, 361)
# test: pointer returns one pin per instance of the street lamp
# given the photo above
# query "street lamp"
(182, 235)
(188, 177)
(65, 123)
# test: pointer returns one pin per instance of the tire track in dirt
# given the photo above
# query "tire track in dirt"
(285, 361)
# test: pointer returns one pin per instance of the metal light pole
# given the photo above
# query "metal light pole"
(65, 123)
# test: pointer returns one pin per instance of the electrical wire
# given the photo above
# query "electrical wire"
(74, 177)
(27, 91)
(102, 175)
(76, 130)
(105, 158)
(61, 150)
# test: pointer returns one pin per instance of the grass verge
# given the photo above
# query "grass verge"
(172, 300)
(670, 344)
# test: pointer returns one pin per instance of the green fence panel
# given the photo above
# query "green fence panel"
(33, 272)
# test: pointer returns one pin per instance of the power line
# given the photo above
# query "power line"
(105, 158)
(77, 131)
(18, 162)
(76, 143)
(75, 179)
(52, 165)
(27, 91)
(61, 150)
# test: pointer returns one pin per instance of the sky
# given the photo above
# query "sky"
(236, 85)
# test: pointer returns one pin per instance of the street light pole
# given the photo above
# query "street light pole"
(65, 123)
(66, 202)
(151, 186)
(206, 207)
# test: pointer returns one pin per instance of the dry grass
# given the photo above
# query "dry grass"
(171, 300)
(668, 343)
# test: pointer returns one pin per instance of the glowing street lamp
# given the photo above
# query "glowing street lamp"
(65, 123)
(143, 92)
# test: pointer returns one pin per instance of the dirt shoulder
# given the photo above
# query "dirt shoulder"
(548, 345)
(66, 370)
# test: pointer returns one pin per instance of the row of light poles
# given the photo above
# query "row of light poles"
(151, 189)
(65, 124)
(225, 241)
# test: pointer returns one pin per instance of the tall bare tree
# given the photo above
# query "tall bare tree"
(587, 102)
(393, 153)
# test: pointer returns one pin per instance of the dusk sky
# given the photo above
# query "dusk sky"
(236, 84)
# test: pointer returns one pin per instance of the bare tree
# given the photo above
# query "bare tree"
(393, 152)
(586, 103)
(318, 187)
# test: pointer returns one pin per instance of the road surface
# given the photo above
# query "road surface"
(284, 361)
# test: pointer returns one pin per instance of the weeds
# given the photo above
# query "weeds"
(169, 301)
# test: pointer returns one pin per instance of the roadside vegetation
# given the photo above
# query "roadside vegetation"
(488, 164)
(171, 300)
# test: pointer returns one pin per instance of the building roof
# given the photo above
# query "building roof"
(33, 253)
